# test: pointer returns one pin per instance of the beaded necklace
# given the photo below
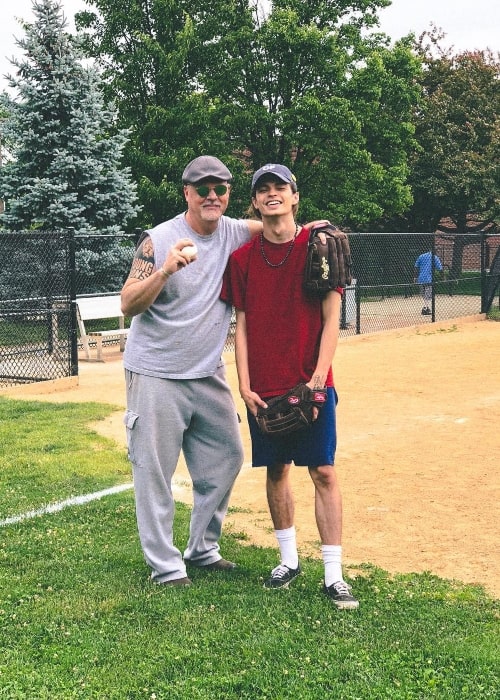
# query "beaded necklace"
(266, 259)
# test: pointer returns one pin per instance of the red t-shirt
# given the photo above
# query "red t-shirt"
(284, 324)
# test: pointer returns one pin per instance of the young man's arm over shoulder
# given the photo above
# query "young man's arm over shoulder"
(255, 227)
(330, 308)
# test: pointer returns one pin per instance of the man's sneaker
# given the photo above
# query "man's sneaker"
(281, 576)
(184, 581)
(340, 594)
(219, 565)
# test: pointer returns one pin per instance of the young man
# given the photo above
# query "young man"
(284, 337)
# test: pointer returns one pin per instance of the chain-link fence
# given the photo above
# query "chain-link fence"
(408, 279)
(35, 310)
(41, 275)
(102, 262)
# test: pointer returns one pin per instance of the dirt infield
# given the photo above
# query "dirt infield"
(418, 452)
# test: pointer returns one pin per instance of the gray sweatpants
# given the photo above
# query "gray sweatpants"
(163, 417)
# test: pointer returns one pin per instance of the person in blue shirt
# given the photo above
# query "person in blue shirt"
(423, 275)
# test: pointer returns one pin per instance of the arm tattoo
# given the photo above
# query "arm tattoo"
(143, 262)
(317, 383)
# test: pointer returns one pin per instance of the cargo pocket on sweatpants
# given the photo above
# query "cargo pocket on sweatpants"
(129, 421)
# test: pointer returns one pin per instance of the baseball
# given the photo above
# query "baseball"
(190, 251)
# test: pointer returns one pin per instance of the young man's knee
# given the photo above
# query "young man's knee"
(323, 476)
(278, 472)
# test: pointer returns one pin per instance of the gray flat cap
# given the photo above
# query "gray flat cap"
(205, 167)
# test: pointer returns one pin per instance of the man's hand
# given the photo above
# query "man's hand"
(252, 401)
(318, 224)
(316, 383)
(314, 224)
(176, 259)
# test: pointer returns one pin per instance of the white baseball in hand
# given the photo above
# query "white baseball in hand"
(190, 251)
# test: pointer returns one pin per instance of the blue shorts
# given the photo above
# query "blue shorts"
(311, 447)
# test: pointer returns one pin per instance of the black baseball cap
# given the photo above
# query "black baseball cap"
(279, 171)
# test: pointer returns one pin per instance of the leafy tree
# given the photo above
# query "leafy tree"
(454, 172)
(65, 171)
(305, 86)
(144, 50)
(290, 81)
(456, 169)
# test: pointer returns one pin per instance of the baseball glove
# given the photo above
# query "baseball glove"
(328, 265)
(291, 411)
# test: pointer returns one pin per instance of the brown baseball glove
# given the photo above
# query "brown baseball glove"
(291, 411)
(328, 265)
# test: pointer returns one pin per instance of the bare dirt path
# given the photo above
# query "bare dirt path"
(418, 452)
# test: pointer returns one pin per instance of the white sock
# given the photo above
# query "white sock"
(332, 557)
(287, 542)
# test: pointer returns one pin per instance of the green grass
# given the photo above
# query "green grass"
(31, 331)
(80, 619)
(25, 331)
(469, 283)
(48, 453)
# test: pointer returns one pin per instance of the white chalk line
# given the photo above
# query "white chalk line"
(78, 501)
(69, 502)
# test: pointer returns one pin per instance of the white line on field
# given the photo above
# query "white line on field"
(55, 507)
(80, 500)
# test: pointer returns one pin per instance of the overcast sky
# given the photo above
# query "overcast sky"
(468, 24)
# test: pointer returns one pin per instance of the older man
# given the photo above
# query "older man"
(177, 394)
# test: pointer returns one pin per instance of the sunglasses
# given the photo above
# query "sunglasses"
(203, 190)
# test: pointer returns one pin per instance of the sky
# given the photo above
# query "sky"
(468, 24)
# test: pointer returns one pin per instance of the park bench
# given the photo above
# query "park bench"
(96, 308)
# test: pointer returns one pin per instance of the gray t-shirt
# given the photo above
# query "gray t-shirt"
(182, 334)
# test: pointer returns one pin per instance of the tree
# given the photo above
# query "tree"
(301, 83)
(66, 155)
(455, 171)
(309, 86)
(143, 48)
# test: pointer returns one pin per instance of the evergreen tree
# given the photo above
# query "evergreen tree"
(65, 170)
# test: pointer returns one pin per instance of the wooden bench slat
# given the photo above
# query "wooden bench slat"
(96, 308)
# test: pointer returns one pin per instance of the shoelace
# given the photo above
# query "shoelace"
(280, 571)
(342, 588)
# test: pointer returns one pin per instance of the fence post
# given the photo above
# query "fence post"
(343, 311)
(137, 234)
(72, 301)
(484, 302)
(357, 296)
(433, 276)
(49, 301)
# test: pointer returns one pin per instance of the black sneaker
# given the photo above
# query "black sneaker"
(340, 594)
(281, 576)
